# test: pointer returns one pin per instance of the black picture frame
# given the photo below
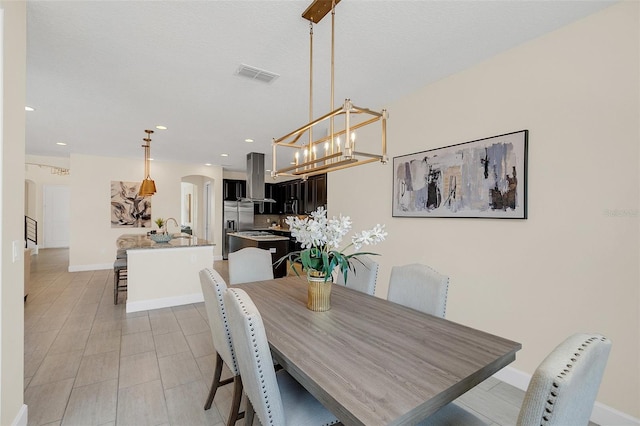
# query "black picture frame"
(484, 178)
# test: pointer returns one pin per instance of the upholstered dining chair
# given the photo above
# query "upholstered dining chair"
(250, 264)
(363, 276)
(419, 287)
(277, 399)
(562, 390)
(213, 288)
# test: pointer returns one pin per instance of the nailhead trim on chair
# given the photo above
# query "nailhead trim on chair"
(446, 291)
(265, 396)
(446, 295)
(551, 399)
(225, 319)
(375, 279)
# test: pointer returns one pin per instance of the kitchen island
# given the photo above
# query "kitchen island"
(160, 275)
(276, 244)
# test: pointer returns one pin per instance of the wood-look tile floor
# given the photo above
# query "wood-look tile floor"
(88, 362)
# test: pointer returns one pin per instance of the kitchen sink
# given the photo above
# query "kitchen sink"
(176, 236)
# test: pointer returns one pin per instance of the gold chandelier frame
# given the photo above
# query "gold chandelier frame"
(307, 162)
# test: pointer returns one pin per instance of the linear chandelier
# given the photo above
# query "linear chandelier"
(328, 153)
(148, 186)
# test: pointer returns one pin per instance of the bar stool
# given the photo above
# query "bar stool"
(121, 254)
(119, 275)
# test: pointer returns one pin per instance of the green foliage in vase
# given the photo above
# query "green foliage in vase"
(160, 222)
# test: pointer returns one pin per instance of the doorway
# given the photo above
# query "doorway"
(197, 204)
(56, 215)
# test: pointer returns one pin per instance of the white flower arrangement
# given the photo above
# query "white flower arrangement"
(321, 237)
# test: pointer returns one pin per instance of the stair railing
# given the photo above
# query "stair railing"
(30, 230)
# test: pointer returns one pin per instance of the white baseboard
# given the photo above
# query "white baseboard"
(21, 417)
(602, 414)
(514, 377)
(94, 267)
(607, 416)
(165, 302)
(217, 257)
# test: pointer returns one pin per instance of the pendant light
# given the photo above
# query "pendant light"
(327, 153)
(148, 186)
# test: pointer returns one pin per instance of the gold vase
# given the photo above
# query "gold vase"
(319, 293)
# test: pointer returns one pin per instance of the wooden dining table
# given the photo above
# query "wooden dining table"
(371, 361)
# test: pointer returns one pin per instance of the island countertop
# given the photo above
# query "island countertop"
(258, 236)
(142, 241)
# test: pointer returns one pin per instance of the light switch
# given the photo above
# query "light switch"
(17, 249)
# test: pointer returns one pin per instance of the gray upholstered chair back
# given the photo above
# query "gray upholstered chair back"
(250, 264)
(213, 289)
(363, 277)
(564, 387)
(419, 287)
(254, 358)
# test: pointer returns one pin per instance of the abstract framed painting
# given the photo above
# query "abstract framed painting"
(128, 208)
(484, 178)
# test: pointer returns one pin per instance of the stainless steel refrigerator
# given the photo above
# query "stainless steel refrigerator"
(238, 216)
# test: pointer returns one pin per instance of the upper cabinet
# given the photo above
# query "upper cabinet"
(310, 194)
(315, 194)
(233, 189)
(270, 191)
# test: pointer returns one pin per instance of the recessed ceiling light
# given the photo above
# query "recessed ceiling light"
(207, 164)
(161, 127)
(150, 159)
(224, 155)
(61, 143)
(28, 108)
(248, 140)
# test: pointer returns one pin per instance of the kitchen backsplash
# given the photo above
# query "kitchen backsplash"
(270, 220)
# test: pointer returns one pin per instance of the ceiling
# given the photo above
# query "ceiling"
(101, 72)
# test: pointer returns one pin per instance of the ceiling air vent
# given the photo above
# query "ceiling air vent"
(256, 73)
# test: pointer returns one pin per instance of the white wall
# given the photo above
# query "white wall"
(573, 265)
(12, 127)
(93, 240)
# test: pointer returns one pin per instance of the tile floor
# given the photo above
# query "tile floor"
(88, 362)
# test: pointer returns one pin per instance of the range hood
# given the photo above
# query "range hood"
(255, 179)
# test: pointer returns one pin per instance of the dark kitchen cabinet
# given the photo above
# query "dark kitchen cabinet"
(271, 190)
(315, 193)
(287, 191)
(310, 194)
(294, 189)
(234, 189)
(280, 195)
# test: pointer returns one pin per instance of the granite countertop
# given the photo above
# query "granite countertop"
(274, 228)
(142, 241)
(258, 236)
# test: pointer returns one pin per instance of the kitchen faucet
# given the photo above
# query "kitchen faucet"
(166, 224)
